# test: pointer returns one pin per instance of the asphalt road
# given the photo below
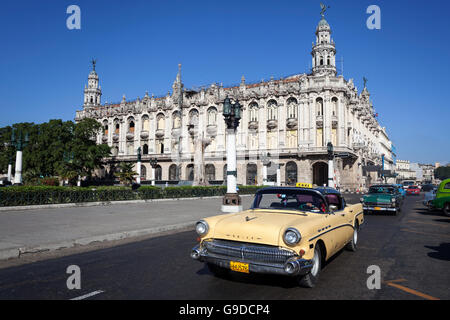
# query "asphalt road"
(411, 249)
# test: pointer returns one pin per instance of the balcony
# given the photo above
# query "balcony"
(291, 123)
(144, 135)
(272, 124)
(159, 133)
(253, 125)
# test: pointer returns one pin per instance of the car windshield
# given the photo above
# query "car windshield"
(381, 189)
(295, 200)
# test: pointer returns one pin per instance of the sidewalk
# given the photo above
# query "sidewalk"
(44, 229)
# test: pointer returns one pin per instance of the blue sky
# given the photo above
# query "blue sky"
(138, 45)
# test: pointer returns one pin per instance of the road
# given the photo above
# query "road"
(411, 249)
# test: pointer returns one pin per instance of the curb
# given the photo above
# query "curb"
(11, 253)
(93, 204)
(101, 203)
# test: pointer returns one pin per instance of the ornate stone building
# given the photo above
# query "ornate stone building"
(289, 120)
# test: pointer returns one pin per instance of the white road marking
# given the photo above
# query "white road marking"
(88, 295)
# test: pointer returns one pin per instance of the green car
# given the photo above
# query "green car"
(442, 200)
(382, 198)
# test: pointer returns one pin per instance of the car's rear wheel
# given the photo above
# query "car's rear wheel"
(310, 280)
(447, 209)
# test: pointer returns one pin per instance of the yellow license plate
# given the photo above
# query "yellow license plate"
(377, 208)
(239, 267)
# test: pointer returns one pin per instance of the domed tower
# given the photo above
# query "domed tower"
(323, 51)
(92, 92)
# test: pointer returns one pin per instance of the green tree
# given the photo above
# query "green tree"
(126, 173)
(442, 173)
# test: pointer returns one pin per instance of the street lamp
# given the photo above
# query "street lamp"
(153, 164)
(265, 159)
(330, 150)
(19, 142)
(139, 164)
(232, 115)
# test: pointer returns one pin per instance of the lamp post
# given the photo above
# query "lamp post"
(265, 159)
(330, 150)
(153, 163)
(19, 142)
(139, 164)
(232, 115)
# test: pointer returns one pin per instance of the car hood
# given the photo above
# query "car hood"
(263, 226)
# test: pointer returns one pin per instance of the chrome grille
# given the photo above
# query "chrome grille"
(248, 251)
(379, 204)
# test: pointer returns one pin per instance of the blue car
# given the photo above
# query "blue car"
(401, 190)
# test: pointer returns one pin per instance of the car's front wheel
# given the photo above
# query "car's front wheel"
(310, 280)
(447, 209)
(352, 245)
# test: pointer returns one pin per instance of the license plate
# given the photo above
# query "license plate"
(239, 267)
(377, 208)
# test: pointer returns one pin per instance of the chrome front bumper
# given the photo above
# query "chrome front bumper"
(291, 266)
(379, 208)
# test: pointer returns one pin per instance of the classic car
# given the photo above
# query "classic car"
(413, 190)
(442, 199)
(382, 198)
(287, 231)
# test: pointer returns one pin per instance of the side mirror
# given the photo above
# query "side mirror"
(333, 208)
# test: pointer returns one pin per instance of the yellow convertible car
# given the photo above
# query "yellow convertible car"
(287, 231)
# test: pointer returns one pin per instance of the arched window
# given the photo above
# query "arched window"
(176, 120)
(252, 172)
(319, 106)
(143, 172)
(117, 128)
(158, 172)
(173, 173)
(131, 125)
(210, 172)
(145, 149)
(193, 118)
(190, 172)
(160, 122)
(292, 108)
(291, 173)
(105, 128)
(212, 116)
(334, 102)
(253, 112)
(272, 110)
(145, 123)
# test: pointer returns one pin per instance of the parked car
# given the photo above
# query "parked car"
(288, 231)
(442, 199)
(382, 198)
(413, 190)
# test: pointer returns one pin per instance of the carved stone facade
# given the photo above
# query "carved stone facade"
(291, 118)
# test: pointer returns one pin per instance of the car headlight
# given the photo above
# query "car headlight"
(202, 227)
(361, 200)
(291, 236)
(393, 200)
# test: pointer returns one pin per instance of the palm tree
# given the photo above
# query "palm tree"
(126, 173)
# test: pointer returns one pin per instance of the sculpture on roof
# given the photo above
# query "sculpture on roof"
(324, 8)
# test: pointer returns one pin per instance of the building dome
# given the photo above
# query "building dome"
(323, 24)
